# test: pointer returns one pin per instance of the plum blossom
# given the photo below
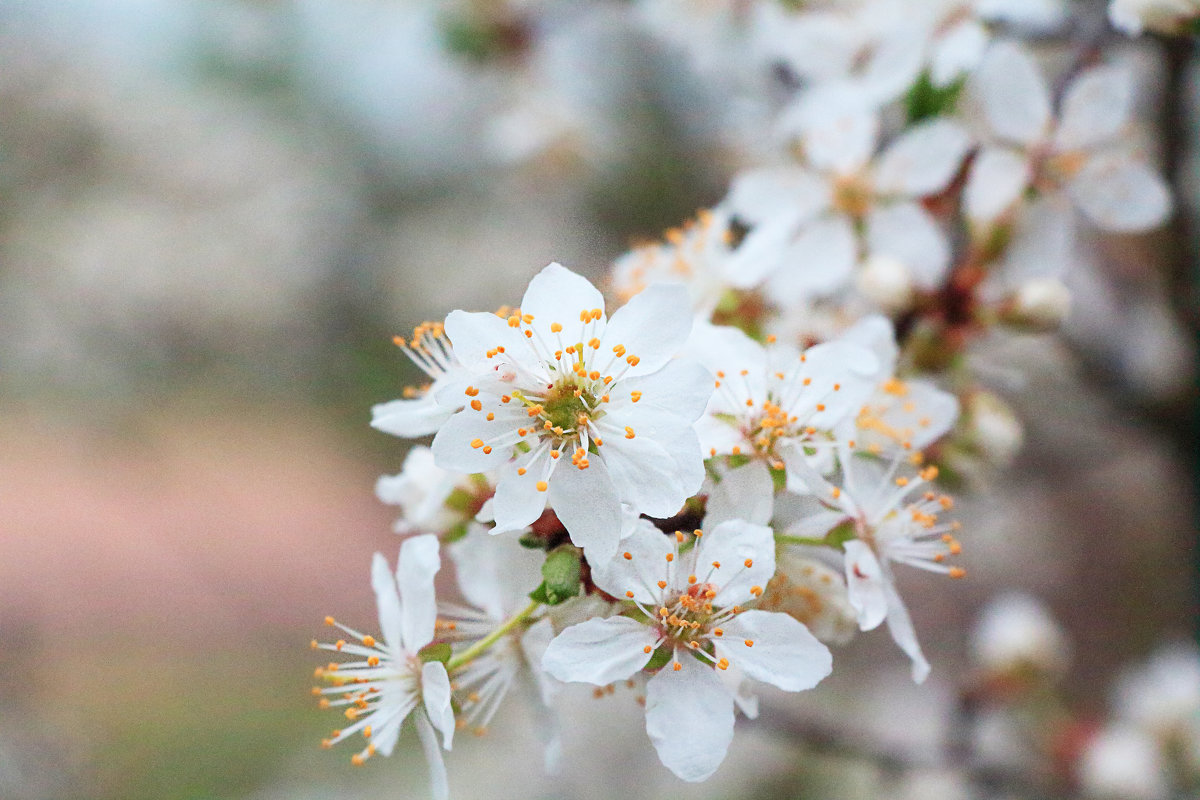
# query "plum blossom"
(1083, 153)
(893, 513)
(814, 224)
(567, 405)
(687, 605)
(431, 498)
(389, 681)
(899, 415)
(697, 255)
(418, 412)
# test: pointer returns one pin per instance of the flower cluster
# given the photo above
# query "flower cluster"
(704, 481)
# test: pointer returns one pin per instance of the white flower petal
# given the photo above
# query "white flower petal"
(760, 253)
(676, 394)
(1015, 96)
(644, 474)
(907, 232)
(599, 651)
(998, 178)
(746, 493)
(758, 195)
(865, 584)
(818, 262)
(1095, 108)
(517, 502)
(556, 294)
(903, 634)
(439, 783)
(853, 369)
(419, 563)
(387, 599)
(587, 504)
(784, 653)
(923, 160)
(475, 333)
(410, 418)
(534, 643)
(841, 140)
(652, 326)
(957, 52)
(876, 333)
(689, 718)
(1043, 242)
(648, 548)
(731, 544)
(495, 572)
(1120, 194)
(435, 691)
(453, 449)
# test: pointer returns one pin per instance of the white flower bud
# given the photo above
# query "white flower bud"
(886, 282)
(1015, 633)
(1040, 303)
(1122, 762)
(814, 594)
(995, 429)
(1162, 16)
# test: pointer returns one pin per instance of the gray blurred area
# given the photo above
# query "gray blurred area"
(214, 215)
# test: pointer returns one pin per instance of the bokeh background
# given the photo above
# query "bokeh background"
(214, 215)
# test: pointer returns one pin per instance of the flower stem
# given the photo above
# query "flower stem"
(472, 652)
(783, 538)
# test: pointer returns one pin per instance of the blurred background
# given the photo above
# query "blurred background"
(214, 216)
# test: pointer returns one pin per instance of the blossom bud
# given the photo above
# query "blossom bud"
(1123, 762)
(1039, 304)
(994, 428)
(813, 594)
(1014, 634)
(887, 282)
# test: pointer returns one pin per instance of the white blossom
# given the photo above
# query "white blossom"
(389, 682)
(1083, 153)
(1122, 763)
(689, 602)
(894, 513)
(431, 499)
(814, 224)
(418, 412)
(568, 405)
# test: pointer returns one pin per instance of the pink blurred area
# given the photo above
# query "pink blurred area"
(193, 527)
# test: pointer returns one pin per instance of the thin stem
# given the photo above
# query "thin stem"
(784, 538)
(475, 650)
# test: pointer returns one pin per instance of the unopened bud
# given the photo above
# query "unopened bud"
(812, 593)
(1040, 304)
(1015, 633)
(995, 430)
(886, 282)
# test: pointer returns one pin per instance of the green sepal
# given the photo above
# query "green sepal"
(456, 533)
(779, 479)
(532, 541)
(662, 656)
(841, 534)
(924, 100)
(459, 500)
(560, 576)
(438, 651)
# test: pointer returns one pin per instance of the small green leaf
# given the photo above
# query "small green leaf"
(841, 534)
(779, 478)
(438, 651)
